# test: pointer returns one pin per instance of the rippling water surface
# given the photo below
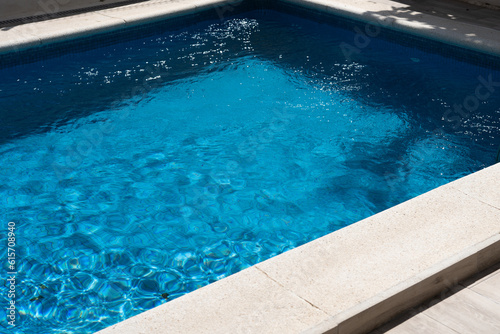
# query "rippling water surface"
(160, 165)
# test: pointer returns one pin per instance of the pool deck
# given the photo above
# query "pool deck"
(362, 276)
(470, 307)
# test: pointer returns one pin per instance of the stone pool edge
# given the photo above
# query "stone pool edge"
(351, 280)
(33, 35)
(401, 17)
(384, 13)
(432, 282)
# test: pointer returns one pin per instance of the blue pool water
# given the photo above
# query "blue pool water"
(168, 162)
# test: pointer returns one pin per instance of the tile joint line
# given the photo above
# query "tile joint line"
(281, 285)
(474, 197)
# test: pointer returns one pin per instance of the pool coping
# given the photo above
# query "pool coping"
(401, 17)
(37, 34)
(354, 279)
(440, 278)
(386, 13)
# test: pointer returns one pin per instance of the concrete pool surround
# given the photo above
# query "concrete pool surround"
(359, 277)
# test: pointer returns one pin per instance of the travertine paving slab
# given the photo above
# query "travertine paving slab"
(248, 302)
(351, 265)
(485, 184)
(401, 16)
(28, 35)
(79, 25)
(14, 9)
(150, 11)
(156, 10)
(14, 38)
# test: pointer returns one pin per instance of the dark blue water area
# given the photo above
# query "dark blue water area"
(161, 164)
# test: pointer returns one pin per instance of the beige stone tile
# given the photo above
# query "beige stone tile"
(329, 326)
(438, 282)
(342, 269)
(421, 324)
(490, 287)
(14, 9)
(467, 312)
(151, 11)
(157, 10)
(14, 39)
(483, 185)
(452, 29)
(72, 27)
(247, 302)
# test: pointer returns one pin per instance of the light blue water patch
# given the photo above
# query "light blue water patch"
(161, 165)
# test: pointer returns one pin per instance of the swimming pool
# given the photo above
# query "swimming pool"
(159, 165)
